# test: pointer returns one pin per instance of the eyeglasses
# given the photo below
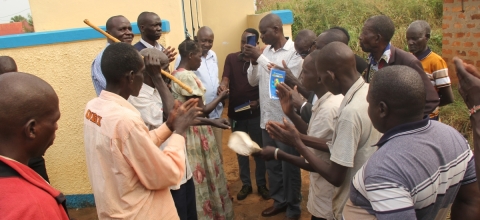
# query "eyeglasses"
(303, 55)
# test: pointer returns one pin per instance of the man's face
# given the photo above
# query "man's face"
(46, 128)
(206, 41)
(417, 40)
(122, 30)
(137, 79)
(267, 34)
(368, 39)
(374, 113)
(303, 48)
(152, 29)
(309, 75)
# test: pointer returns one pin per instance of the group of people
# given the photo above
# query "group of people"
(367, 130)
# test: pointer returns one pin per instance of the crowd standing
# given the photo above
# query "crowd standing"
(368, 131)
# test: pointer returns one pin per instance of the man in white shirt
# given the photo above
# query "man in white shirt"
(208, 74)
(284, 178)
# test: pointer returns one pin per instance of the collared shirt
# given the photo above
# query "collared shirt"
(129, 175)
(149, 104)
(352, 140)
(259, 75)
(157, 45)
(320, 193)
(376, 65)
(99, 82)
(208, 74)
(415, 174)
(241, 91)
(437, 70)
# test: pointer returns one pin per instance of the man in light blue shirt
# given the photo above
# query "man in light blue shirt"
(208, 74)
(120, 28)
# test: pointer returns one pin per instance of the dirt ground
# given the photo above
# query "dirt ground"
(249, 208)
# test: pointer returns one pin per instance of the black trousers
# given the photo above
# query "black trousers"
(38, 165)
(184, 199)
(315, 218)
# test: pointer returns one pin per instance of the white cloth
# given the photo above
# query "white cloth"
(321, 125)
(353, 139)
(149, 104)
(157, 45)
(99, 81)
(260, 75)
(208, 74)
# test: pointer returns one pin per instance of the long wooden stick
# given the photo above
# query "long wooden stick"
(168, 75)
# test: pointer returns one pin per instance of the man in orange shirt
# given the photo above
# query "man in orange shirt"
(130, 175)
(418, 34)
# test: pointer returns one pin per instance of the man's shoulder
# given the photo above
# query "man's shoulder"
(402, 56)
(233, 55)
(139, 46)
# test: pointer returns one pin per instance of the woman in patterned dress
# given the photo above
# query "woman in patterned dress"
(211, 193)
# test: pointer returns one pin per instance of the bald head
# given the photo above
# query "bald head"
(335, 56)
(152, 52)
(402, 91)
(204, 31)
(205, 37)
(304, 42)
(271, 20)
(420, 26)
(7, 64)
(29, 115)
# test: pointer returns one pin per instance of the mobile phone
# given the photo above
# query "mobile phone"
(251, 40)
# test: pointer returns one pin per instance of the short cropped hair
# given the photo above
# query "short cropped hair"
(383, 25)
(401, 88)
(343, 30)
(118, 59)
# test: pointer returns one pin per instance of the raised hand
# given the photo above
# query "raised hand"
(252, 52)
(152, 65)
(183, 116)
(286, 100)
(224, 94)
(170, 52)
(468, 82)
(286, 132)
(290, 79)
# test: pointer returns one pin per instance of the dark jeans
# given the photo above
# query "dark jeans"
(184, 199)
(252, 128)
(284, 179)
(38, 165)
(315, 218)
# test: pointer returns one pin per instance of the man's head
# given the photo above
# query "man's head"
(271, 29)
(329, 36)
(418, 34)
(120, 28)
(152, 52)
(191, 52)
(396, 95)
(29, 116)
(305, 42)
(7, 64)
(335, 63)
(123, 67)
(248, 32)
(346, 35)
(205, 38)
(376, 33)
(150, 26)
(310, 78)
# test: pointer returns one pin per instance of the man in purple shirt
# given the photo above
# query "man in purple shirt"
(241, 92)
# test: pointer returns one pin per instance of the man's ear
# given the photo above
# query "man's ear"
(427, 36)
(383, 109)
(130, 76)
(379, 37)
(30, 129)
(331, 74)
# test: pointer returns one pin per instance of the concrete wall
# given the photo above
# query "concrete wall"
(461, 33)
(62, 49)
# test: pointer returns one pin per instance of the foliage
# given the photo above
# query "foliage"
(319, 15)
(17, 18)
(30, 20)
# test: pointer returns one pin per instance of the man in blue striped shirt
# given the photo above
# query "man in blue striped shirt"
(422, 168)
(120, 28)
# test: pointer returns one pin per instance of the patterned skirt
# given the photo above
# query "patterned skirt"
(211, 193)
